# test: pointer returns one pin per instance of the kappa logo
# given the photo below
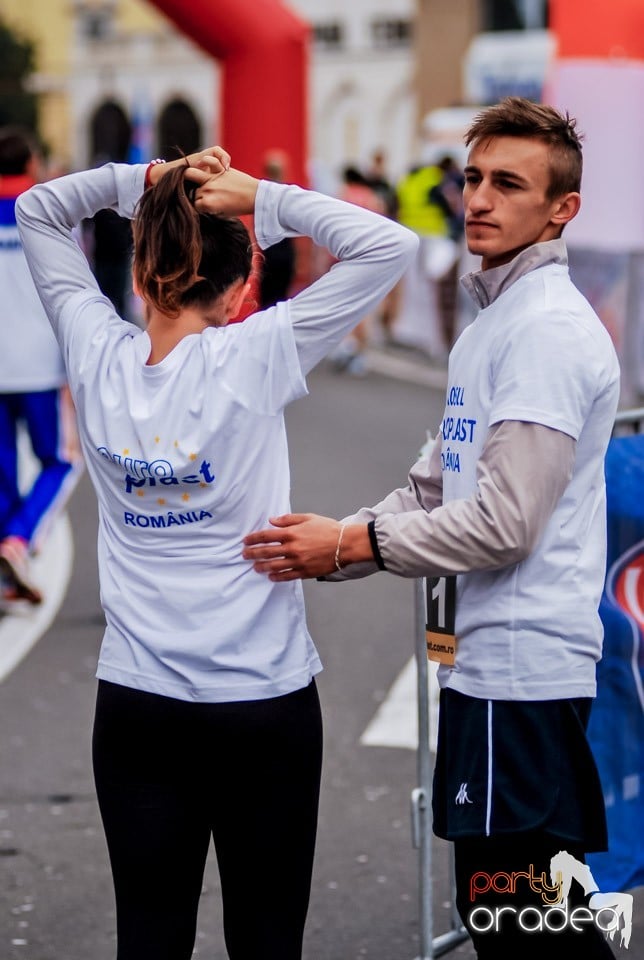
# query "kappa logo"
(462, 797)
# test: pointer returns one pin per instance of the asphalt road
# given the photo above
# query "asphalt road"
(352, 440)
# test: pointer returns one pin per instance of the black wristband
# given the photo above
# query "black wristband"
(373, 540)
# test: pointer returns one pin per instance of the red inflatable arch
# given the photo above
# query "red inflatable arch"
(596, 29)
(263, 47)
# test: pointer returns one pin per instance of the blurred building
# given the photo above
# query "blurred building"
(117, 79)
(137, 87)
(47, 24)
(362, 85)
(473, 53)
(381, 66)
(477, 51)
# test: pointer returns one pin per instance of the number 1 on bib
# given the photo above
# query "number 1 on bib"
(440, 619)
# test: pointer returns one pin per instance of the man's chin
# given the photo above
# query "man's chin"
(477, 248)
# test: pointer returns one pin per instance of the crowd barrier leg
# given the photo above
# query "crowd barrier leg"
(421, 807)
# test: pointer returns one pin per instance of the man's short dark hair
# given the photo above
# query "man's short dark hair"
(17, 147)
(517, 117)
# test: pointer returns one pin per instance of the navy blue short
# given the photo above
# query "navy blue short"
(507, 766)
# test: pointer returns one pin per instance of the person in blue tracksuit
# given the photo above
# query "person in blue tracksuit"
(32, 389)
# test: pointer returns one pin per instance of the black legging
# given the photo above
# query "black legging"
(169, 774)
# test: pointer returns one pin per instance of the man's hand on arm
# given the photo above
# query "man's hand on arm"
(299, 546)
(523, 471)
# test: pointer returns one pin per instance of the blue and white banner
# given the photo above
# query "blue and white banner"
(616, 729)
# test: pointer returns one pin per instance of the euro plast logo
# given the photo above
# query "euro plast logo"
(609, 912)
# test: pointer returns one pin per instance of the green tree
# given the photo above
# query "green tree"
(17, 62)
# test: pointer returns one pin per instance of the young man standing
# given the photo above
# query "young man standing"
(506, 517)
(32, 378)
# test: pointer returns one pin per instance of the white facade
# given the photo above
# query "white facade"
(361, 87)
(141, 73)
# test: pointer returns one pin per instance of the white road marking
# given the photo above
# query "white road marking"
(23, 625)
(408, 370)
(395, 723)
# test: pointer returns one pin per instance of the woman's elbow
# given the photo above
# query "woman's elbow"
(25, 207)
(410, 242)
(22, 206)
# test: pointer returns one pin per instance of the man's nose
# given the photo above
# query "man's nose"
(480, 198)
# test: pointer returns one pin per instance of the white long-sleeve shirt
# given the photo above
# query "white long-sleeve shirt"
(189, 454)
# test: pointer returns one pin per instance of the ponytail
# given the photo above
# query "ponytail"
(182, 257)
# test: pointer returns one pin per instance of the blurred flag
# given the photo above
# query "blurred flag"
(142, 134)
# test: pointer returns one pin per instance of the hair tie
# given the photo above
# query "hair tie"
(152, 163)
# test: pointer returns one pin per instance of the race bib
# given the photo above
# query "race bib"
(440, 619)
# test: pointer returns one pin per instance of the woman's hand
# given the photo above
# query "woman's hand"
(228, 192)
(220, 189)
(217, 156)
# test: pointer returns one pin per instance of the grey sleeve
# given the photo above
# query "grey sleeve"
(523, 471)
(372, 253)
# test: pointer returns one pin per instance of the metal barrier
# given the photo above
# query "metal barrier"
(629, 421)
(421, 806)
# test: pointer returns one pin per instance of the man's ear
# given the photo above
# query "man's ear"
(565, 209)
(234, 298)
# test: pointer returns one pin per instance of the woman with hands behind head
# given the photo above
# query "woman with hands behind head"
(207, 718)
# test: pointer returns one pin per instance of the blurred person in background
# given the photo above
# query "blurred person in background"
(380, 183)
(106, 240)
(419, 321)
(350, 355)
(32, 389)
(109, 244)
(278, 267)
(377, 179)
(448, 195)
